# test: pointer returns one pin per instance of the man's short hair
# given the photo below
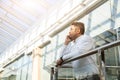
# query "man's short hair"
(80, 25)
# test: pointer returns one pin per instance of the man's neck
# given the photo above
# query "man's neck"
(76, 37)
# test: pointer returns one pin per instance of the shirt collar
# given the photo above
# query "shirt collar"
(77, 39)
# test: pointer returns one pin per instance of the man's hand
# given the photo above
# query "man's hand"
(59, 62)
(67, 40)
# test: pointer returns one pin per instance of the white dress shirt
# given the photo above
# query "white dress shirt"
(80, 46)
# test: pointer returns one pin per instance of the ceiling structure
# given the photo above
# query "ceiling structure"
(17, 16)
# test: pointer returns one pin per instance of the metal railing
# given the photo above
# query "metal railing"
(99, 50)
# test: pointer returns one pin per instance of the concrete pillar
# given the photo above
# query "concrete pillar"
(36, 64)
(0, 76)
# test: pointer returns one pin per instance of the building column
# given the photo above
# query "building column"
(36, 64)
(0, 75)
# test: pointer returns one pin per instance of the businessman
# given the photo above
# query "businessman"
(75, 44)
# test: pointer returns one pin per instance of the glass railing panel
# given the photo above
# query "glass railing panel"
(65, 74)
(112, 72)
(112, 63)
(12, 77)
(112, 56)
(4, 78)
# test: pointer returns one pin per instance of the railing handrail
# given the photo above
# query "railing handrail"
(94, 51)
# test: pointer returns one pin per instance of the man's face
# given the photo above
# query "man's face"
(74, 32)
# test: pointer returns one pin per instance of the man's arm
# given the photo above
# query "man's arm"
(64, 51)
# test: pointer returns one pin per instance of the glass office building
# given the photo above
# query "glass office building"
(102, 22)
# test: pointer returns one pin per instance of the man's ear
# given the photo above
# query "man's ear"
(78, 30)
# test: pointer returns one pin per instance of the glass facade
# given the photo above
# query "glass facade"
(20, 69)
